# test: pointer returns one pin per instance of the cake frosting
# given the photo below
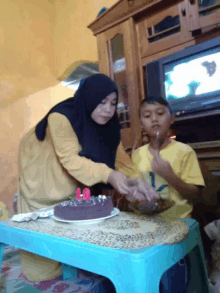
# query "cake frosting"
(93, 208)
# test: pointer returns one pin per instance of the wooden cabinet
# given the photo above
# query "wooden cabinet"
(165, 29)
(116, 48)
(203, 13)
(132, 33)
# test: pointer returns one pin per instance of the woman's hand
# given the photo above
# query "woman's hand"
(135, 195)
(148, 191)
(141, 191)
(118, 181)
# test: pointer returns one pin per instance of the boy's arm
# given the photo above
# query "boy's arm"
(191, 178)
(187, 190)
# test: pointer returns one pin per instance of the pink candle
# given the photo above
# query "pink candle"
(78, 192)
(86, 194)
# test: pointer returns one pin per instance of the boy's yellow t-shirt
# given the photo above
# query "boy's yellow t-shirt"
(185, 165)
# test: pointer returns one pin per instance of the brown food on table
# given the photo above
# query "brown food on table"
(151, 207)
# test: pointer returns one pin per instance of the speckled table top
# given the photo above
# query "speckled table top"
(126, 230)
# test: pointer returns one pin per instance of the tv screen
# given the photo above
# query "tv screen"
(189, 79)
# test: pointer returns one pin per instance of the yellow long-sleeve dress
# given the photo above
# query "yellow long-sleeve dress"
(50, 171)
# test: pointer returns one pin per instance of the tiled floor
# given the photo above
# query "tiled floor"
(13, 280)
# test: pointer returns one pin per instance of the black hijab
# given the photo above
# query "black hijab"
(99, 142)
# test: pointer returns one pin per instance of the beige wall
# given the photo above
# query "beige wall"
(26, 48)
(39, 41)
(71, 36)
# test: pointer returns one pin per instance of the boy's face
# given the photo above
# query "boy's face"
(156, 118)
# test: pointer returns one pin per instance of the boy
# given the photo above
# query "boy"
(167, 162)
(172, 168)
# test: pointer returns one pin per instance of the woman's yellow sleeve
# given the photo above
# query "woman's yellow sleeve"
(67, 147)
(3, 211)
(124, 164)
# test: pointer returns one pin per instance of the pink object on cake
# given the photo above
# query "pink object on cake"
(86, 194)
(78, 193)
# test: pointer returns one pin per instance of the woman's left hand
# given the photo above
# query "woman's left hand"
(141, 191)
(147, 190)
(118, 181)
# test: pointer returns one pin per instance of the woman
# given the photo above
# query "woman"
(77, 143)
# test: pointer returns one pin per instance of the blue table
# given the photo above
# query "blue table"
(131, 271)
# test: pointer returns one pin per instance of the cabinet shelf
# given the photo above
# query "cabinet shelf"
(209, 8)
(158, 36)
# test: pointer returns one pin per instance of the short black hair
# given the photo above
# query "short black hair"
(156, 99)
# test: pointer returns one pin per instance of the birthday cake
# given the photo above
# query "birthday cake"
(81, 209)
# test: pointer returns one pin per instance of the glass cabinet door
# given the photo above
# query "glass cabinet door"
(119, 76)
(117, 58)
(207, 7)
(205, 12)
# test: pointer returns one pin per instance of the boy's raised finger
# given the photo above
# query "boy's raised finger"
(157, 149)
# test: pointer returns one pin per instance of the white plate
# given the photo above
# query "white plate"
(115, 212)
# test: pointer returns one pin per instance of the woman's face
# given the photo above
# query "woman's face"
(105, 110)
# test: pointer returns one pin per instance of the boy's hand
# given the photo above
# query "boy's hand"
(160, 166)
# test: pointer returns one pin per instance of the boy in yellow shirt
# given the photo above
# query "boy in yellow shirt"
(171, 167)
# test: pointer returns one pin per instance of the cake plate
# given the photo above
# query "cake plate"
(115, 212)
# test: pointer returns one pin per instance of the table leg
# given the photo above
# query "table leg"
(146, 277)
(2, 245)
(69, 272)
(201, 262)
(129, 284)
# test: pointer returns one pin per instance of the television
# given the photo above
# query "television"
(188, 79)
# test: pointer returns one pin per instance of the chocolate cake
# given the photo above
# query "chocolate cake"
(95, 207)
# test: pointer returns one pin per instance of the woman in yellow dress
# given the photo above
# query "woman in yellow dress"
(77, 143)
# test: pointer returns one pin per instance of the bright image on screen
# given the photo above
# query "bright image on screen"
(192, 78)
